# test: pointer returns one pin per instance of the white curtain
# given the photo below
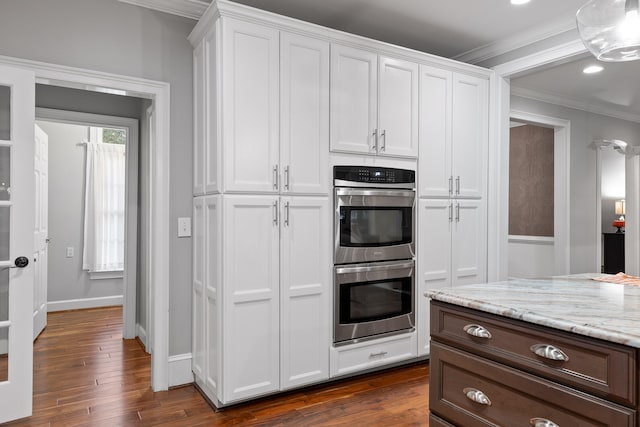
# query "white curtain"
(104, 208)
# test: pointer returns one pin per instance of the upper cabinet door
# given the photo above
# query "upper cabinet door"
(353, 100)
(435, 132)
(304, 114)
(470, 135)
(398, 108)
(250, 63)
(199, 123)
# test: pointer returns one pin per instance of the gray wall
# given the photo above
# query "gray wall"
(116, 37)
(66, 279)
(585, 127)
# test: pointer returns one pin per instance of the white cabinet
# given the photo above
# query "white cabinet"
(451, 250)
(453, 134)
(374, 103)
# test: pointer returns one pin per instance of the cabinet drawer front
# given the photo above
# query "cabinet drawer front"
(362, 356)
(471, 391)
(604, 369)
(438, 422)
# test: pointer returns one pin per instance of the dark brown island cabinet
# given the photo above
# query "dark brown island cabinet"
(489, 370)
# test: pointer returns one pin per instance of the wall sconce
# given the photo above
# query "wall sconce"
(620, 209)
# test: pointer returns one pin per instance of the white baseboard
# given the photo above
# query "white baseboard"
(77, 304)
(142, 335)
(180, 370)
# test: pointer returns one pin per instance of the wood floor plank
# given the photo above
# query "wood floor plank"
(85, 374)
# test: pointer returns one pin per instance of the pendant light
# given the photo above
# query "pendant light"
(610, 29)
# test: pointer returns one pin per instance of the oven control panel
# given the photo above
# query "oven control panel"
(373, 175)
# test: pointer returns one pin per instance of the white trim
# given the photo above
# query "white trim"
(519, 40)
(192, 9)
(142, 335)
(102, 275)
(79, 304)
(574, 103)
(547, 56)
(160, 180)
(180, 370)
(129, 274)
(537, 240)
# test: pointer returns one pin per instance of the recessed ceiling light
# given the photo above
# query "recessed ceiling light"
(592, 69)
(518, 2)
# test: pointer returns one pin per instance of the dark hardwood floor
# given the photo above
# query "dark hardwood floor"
(85, 374)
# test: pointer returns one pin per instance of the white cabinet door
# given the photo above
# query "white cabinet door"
(470, 135)
(435, 132)
(353, 100)
(304, 114)
(212, 279)
(469, 242)
(398, 107)
(434, 258)
(250, 107)
(251, 302)
(199, 118)
(305, 303)
(198, 347)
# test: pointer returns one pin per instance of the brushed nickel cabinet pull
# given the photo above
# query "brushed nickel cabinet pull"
(374, 147)
(542, 422)
(476, 396)
(275, 177)
(450, 212)
(286, 214)
(458, 185)
(549, 352)
(384, 140)
(286, 177)
(275, 213)
(451, 185)
(477, 331)
(381, 354)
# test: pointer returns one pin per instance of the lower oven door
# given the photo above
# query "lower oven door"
(373, 300)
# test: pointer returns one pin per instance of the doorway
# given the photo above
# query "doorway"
(75, 281)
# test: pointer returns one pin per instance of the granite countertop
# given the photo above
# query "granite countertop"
(573, 303)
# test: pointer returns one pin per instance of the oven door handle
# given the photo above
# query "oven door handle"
(380, 266)
(374, 192)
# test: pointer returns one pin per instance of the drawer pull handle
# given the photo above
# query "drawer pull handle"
(476, 396)
(549, 352)
(381, 354)
(477, 331)
(542, 422)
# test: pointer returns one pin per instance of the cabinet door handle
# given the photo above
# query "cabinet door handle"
(384, 140)
(457, 212)
(286, 214)
(450, 212)
(286, 177)
(374, 147)
(542, 422)
(458, 185)
(477, 331)
(275, 177)
(476, 396)
(550, 352)
(381, 354)
(451, 185)
(275, 213)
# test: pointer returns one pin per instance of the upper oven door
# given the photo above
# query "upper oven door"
(374, 225)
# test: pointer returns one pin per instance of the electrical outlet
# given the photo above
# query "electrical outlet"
(184, 227)
(70, 252)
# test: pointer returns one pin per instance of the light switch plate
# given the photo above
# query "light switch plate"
(184, 227)
(70, 252)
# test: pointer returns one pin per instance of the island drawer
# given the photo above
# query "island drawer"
(435, 421)
(480, 392)
(598, 367)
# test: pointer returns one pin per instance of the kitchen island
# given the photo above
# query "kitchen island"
(554, 352)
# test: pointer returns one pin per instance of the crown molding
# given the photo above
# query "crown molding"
(519, 40)
(574, 103)
(192, 9)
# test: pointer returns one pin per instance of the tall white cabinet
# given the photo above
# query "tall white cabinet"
(276, 102)
(262, 253)
(452, 184)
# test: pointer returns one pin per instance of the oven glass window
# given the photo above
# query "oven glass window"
(370, 301)
(381, 226)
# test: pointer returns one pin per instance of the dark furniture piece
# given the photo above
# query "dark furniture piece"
(613, 253)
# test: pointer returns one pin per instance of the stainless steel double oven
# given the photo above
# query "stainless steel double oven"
(374, 266)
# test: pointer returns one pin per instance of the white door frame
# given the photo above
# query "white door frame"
(561, 168)
(500, 113)
(131, 202)
(158, 92)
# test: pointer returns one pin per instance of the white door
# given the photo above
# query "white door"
(398, 107)
(435, 132)
(17, 117)
(305, 305)
(41, 231)
(469, 243)
(470, 135)
(304, 114)
(354, 94)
